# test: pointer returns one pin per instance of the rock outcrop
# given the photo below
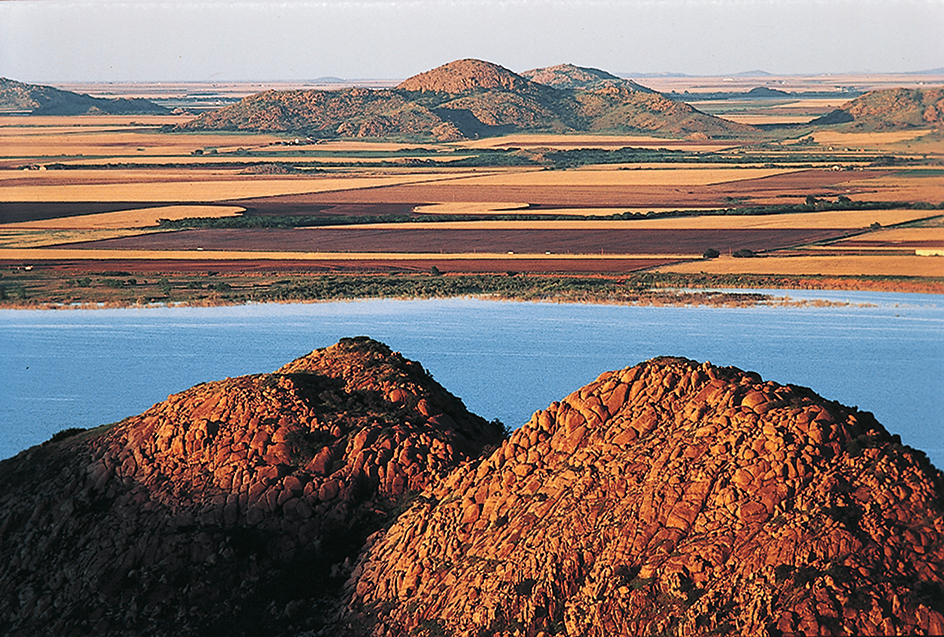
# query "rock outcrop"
(349, 494)
(46, 100)
(890, 109)
(670, 498)
(468, 99)
(232, 508)
(569, 76)
(466, 75)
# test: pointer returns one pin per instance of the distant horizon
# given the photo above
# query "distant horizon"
(71, 41)
(327, 79)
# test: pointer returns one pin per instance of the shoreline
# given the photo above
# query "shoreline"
(47, 289)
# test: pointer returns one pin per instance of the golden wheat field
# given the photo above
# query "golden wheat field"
(47, 138)
(838, 139)
(839, 219)
(138, 218)
(41, 238)
(600, 141)
(840, 265)
(607, 176)
(908, 185)
(150, 185)
(79, 165)
(897, 237)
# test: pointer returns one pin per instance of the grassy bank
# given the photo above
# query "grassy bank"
(50, 288)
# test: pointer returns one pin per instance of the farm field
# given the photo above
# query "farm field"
(86, 195)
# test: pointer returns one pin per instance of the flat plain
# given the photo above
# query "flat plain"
(84, 195)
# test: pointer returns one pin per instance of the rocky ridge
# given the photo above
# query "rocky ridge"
(571, 77)
(234, 507)
(890, 109)
(466, 75)
(348, 493)
(466, 99)
(670, 498)
(46, 100)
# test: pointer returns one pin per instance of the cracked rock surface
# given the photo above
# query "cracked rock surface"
(348, 493)
(231, 508)
(671, 498)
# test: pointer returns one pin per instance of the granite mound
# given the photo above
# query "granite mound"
(671, 498)
(347, 493)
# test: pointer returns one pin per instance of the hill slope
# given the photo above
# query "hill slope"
(466, 99)
(890, 109)
(46, 100)
(671, 498)
(571, 77)
(229, 508)
(348, 493)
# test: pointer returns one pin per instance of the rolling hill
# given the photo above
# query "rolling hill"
(469, 99)
(31, 99)
(348, 493)
(890, 109)
(569, 76)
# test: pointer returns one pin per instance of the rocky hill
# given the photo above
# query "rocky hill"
(571, 77)
(232, 508)
(467, 99)
(466, 75)
(348, 493)
(671, 498)
(890, 109)
(46, 100)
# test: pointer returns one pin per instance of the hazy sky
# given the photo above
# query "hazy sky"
(120, 40)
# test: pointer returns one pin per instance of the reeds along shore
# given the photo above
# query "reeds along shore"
(112, 289)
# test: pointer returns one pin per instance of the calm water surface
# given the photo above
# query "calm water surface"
(83, 368)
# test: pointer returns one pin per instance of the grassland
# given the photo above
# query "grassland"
(81, 197)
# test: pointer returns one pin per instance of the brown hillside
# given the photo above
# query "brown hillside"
(621, 108)
(569, 76)
(355, 112)
(46, 100)
(465, 99)
(466, 75)
(891, 109)
(668, 498)
(229, 509)
(671, 498)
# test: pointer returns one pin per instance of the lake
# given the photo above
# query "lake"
(83, 368)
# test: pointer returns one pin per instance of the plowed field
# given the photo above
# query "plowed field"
(341, 266)
(784, 188)
(391, 239)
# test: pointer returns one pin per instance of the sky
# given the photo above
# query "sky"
(228, 40)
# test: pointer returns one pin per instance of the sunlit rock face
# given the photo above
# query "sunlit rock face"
(348, 493)
(670, 498)
(231, 508)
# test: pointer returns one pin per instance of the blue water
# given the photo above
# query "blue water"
(82, 368)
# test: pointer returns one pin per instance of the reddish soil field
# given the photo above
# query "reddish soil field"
(864, 243)
(324, 266)
(433, 240)
(619, 143)
(295, 205)
(20, 212)
(787, 187)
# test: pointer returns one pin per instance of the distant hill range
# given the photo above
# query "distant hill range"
(31, 99)
(763, 93)
(890, 109)
(469, 99)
